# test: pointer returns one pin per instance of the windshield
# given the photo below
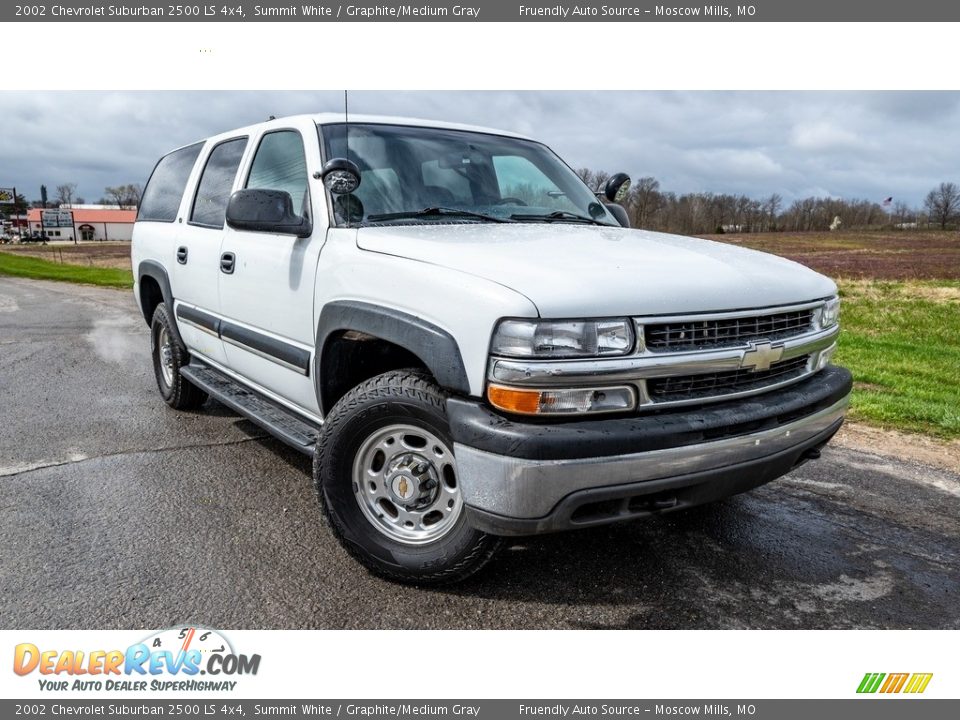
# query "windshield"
(426, 175)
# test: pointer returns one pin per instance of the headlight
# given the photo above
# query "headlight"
(830, 313)
(562, 339)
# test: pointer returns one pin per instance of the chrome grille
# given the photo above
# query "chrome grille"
(715, 385)
(726, 332)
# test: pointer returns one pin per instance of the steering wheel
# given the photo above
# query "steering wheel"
(510, 201)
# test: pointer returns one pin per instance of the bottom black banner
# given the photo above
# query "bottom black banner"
(872, 707)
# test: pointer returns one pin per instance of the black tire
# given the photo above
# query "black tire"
(405, 397)
(178, 393)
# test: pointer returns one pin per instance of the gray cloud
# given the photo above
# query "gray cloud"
(847, 144)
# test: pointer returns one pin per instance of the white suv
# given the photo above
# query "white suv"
(467, 339)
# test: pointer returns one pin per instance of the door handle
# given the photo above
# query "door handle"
(227, 262)
(182, 255)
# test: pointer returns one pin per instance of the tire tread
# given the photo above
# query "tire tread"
(416, 385)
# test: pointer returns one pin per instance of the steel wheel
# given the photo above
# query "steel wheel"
(165, 348)
(405, 481)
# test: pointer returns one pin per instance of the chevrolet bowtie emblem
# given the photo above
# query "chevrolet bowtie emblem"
(404, 486)
(760, 356)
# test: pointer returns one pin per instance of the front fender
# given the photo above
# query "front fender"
(433, 345)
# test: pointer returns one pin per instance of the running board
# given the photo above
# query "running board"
(277, 420)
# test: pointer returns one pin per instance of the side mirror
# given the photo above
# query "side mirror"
(619, 212)
(340, 176)
(617, 188)
(268, 211)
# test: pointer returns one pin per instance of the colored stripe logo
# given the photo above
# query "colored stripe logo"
(912, 683)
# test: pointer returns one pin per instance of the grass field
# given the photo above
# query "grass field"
(900, 316)
(19, 265)
(901, 340)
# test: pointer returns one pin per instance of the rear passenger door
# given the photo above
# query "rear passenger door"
(267, 299)
(197, 255)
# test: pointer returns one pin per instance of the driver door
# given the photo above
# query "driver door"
(267, 289)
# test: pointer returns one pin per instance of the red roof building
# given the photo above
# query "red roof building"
(88, 223)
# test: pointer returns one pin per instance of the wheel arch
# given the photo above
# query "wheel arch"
(409, 337)
(153, 279)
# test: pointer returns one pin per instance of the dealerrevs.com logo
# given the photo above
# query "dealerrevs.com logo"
(172, 659)
(890, 683)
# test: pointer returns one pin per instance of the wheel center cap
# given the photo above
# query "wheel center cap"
(404, 487)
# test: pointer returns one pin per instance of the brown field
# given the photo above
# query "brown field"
(877, 255)
(92, 254)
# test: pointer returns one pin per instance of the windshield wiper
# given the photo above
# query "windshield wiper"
(557, 216)
(436, 212)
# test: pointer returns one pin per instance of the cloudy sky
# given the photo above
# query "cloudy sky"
(855, 145)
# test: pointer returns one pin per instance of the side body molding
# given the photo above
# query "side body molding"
(433, 345)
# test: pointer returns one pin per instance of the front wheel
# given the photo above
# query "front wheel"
(387, 479)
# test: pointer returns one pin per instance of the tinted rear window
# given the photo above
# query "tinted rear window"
(161, 198)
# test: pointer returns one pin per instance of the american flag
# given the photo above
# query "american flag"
(888, 201)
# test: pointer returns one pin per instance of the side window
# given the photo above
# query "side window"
(280, 165)
(161, 198)
(213, 192)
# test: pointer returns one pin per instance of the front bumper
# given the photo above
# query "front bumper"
(521, 478)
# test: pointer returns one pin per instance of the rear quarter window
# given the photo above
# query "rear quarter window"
(161, 198)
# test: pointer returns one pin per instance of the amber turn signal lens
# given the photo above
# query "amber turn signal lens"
(562, 401)
(524, 402)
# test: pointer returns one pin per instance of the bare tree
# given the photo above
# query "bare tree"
(901, 211)
(65, 193)
(644, 200)
(771, 208)
(587, 175)
(593, 179)
(124, 195)
(115, 194)
(942, 203)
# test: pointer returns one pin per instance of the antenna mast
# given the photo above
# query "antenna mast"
(346, 121)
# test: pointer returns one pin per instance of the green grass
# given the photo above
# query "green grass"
(37, 269)
(901, 340)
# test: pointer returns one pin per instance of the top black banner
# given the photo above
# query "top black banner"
(485, 11)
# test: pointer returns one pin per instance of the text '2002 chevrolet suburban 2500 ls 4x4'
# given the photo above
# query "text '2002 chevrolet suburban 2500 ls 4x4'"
(468, 340)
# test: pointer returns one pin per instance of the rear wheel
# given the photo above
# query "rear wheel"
(168, 358)
(387, 479)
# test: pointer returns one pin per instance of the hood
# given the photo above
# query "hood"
(571, 270)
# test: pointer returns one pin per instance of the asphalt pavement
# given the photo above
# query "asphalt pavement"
(117, 512)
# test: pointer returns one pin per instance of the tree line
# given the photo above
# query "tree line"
(694, 213)
(697, 213)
